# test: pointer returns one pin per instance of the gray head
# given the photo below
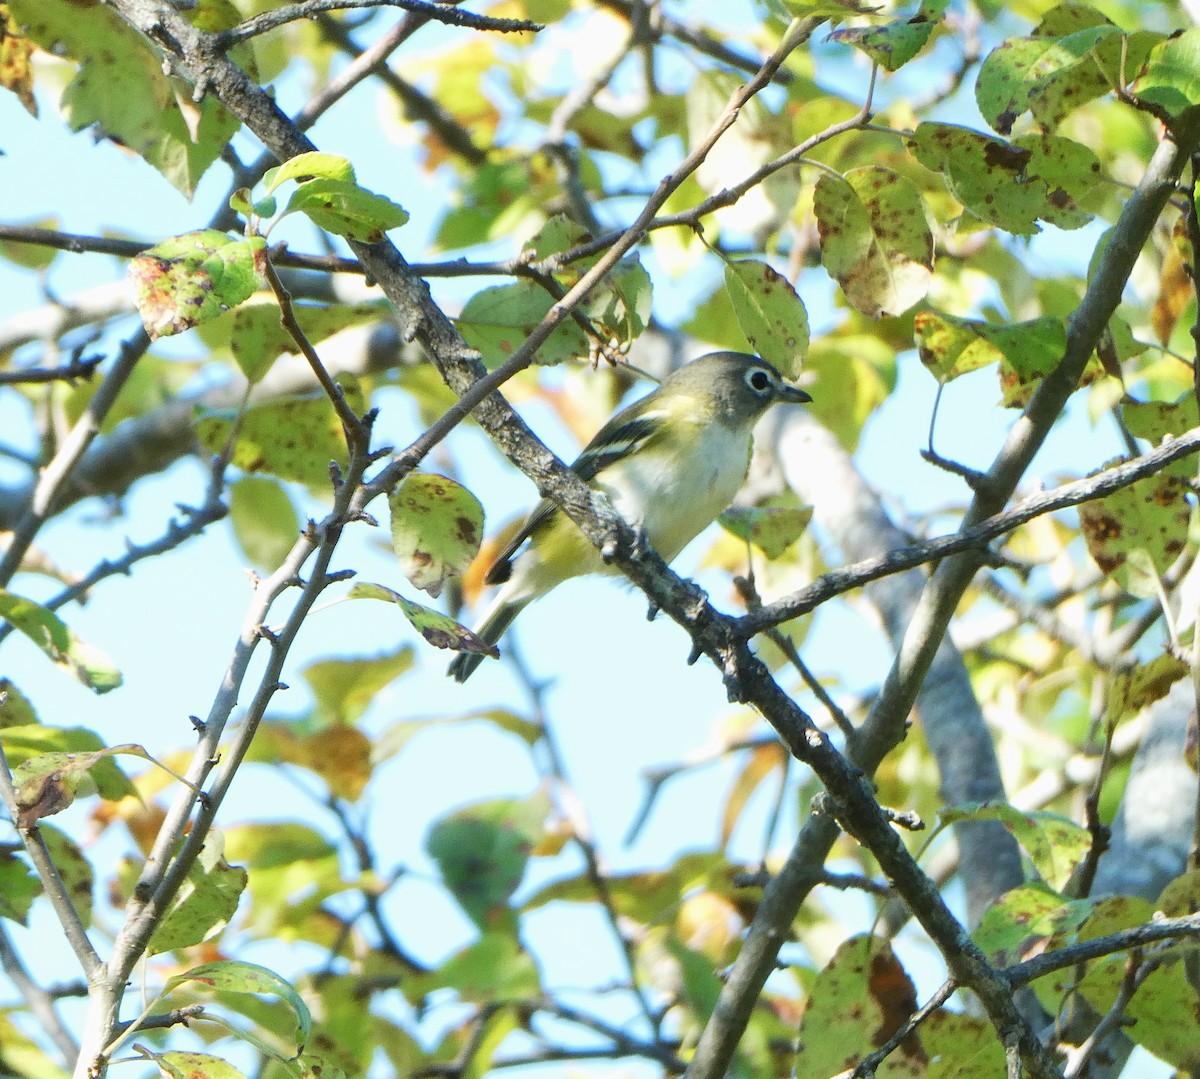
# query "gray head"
(744, 386)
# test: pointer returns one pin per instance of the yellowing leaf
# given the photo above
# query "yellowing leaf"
(1151, 516)
(293, 438)
(875, 238)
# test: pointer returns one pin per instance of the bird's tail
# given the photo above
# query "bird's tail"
(497, 620)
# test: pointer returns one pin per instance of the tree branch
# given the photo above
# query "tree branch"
(972, 538)
(452, 15)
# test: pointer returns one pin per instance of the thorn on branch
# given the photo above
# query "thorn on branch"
(198, 725)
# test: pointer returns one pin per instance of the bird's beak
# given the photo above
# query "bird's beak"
(792, 395)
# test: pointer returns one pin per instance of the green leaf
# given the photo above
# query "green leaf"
(78, 877)
(875, 238)
(482, 851)
(264, 521)
(42, 626)
(965, 1044)
(497, 319)
(1072, 176)
(19, 887)
(437, 526)
(193, 278)
(1170, 78)
(1154, 420)
(239, 977)
(257, 338)
(891, 45)
(205, 902)
(1025, 351)
(438, 629)
(1022, 922)
(293, 872)
(190, 1064)
(309, 166)
(772, 529)
(1049, 76)
(620, 307)
(121, 92)
(987, 175)
(16, 710)
(494, 968)
(346, 209)
(770, 312)
(28, 256)
(1055, 844)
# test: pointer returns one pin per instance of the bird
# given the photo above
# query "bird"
(670, 464)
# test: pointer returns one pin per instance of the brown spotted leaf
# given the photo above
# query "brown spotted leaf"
(987, 175)
(437, 526)
(1025, 351)
(438, 629)
(770, 312)
(294, 438)
(875, 238)
(1150, 517)
(890, 45)
(855, 1005)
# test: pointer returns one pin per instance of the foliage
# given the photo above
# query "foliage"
(871, 198)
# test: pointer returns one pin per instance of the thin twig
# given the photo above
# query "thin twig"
(867, 1066)
(969, 539)
(351, 424)
(58, 470)
(455, 16)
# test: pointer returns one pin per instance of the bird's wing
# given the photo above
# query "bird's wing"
(613, 441)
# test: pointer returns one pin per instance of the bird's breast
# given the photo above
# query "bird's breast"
(673, 500)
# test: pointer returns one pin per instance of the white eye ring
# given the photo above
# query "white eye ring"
(759, 381)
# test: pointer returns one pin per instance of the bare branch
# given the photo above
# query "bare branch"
(970, 539)
(446, 13)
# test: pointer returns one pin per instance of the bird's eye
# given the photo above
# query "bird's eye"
(758, 380)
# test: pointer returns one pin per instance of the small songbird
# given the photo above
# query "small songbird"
(670, 463)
